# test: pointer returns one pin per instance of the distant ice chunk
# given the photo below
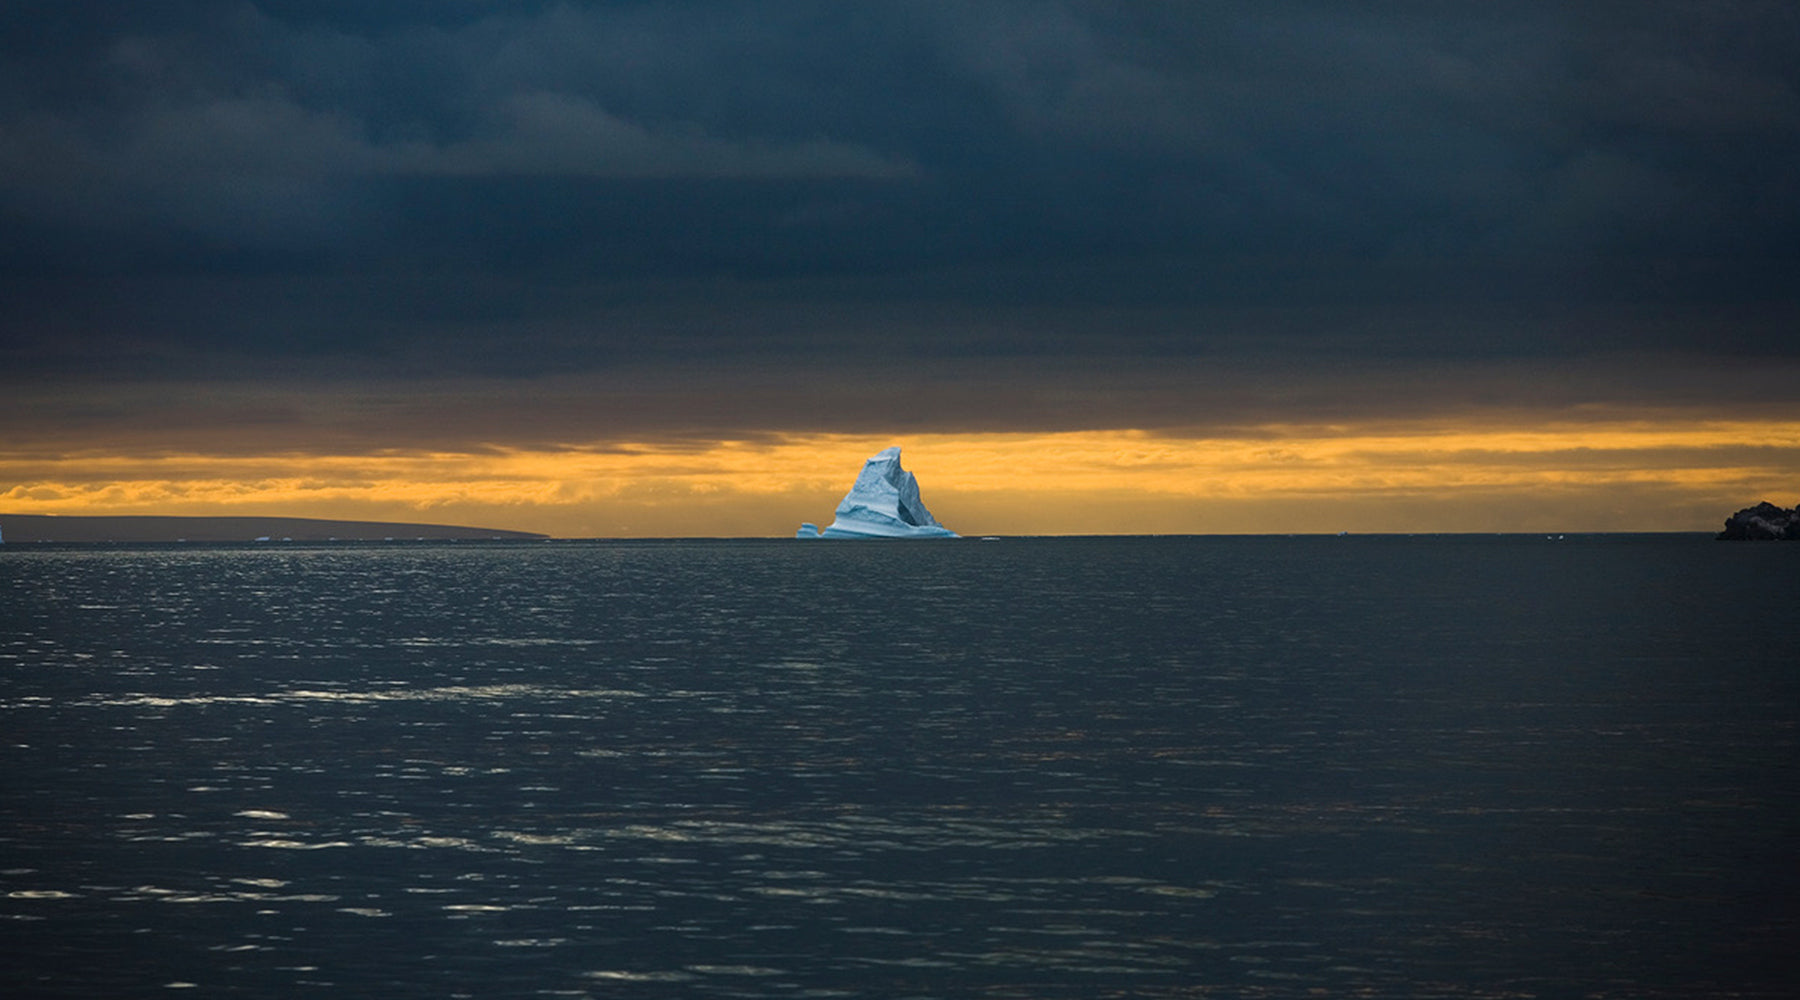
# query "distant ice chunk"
(884, 503)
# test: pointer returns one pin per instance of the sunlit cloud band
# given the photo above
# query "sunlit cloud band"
(1635, 475)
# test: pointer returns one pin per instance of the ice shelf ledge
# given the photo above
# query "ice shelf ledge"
(884, 503)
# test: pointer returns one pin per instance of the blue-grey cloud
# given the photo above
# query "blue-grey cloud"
(540, 186)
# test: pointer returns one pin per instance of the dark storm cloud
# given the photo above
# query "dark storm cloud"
(523, 187)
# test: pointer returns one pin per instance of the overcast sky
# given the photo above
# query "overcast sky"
(339, 227)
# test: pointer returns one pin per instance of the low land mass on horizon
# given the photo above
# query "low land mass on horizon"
(21, 528)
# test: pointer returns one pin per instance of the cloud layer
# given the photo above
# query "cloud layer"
(1042, 131)
(350, 227)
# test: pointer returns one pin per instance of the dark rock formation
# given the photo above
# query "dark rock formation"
(1763, 522)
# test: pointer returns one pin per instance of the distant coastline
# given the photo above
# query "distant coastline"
(17, 529)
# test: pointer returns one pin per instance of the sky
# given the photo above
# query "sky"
(663, 268)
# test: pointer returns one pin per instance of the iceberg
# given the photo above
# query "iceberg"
(884, 503)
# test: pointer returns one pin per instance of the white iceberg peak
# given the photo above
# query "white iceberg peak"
(884, 503)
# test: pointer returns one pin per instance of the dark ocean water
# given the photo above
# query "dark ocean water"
(1178, 767)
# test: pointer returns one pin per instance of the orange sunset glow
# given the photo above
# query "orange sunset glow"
(1633, 475)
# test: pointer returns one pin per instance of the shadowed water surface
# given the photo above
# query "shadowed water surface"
(1272, 767)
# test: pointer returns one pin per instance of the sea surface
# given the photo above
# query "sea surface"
(1452, 766)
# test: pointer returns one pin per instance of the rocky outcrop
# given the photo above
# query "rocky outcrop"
(1763, 522)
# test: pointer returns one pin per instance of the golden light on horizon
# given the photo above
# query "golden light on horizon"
(1629, 475)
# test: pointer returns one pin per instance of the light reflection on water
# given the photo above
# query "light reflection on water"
(1156, 767)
